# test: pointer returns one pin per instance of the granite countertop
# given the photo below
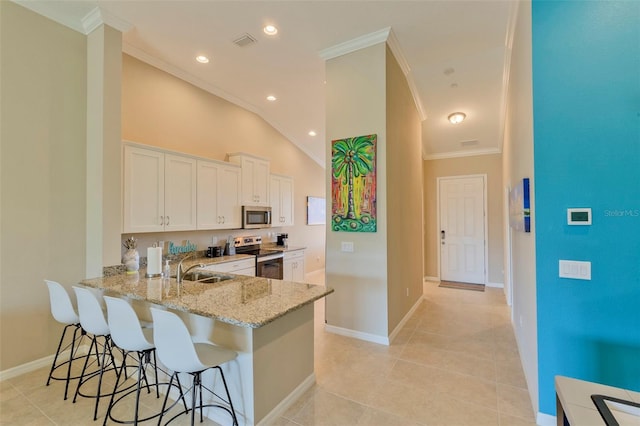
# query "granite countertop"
(244, 301)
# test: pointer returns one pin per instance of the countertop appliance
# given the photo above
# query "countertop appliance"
(282, 239)
(256, 217)
(269, 262)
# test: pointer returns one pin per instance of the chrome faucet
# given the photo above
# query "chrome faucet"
(180, 273)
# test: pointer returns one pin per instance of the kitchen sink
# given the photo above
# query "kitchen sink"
(205, 277)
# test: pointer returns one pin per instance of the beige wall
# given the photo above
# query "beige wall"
(404, 202)
(355, 105)
(377, 284)
(491, 165)
(517, 164)
(42, 169)
(161, 110)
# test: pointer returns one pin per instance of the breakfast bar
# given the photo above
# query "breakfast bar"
(268, 322)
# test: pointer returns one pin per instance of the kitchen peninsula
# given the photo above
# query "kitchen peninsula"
(268, 322)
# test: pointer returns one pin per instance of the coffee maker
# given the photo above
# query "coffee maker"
(282, 239)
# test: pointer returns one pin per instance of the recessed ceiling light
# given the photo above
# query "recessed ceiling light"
(312, 133)
(202, 59)
(271, 98)
(456, 117)
(270, 30)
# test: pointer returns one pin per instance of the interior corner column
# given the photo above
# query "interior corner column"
(104, 70)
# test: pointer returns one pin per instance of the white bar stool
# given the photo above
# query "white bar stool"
(63, 311)
(93, 322)
(130, 337)
(180, 354)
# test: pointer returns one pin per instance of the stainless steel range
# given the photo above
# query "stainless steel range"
(269, 263)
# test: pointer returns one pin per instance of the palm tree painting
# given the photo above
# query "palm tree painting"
(353, 184)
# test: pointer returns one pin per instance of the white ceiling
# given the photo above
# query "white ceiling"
(469, 37)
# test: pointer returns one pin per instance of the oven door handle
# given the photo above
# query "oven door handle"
(270, 257)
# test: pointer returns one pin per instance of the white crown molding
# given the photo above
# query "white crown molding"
(84, 25)
(458, 154)
(97, 17)
(50, 10)
(183, 75)
(394, 45)
(355, 44)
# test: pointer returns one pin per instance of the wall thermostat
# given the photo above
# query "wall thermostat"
(580, 216)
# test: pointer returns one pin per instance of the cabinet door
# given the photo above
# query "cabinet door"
(229, 204)
(180, 193)
(281, 190)
(143, 192)
(261, 182)
(286, 201)
(208, 216)
(287, 273)
(298, 270)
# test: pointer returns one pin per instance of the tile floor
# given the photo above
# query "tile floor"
(454, 363)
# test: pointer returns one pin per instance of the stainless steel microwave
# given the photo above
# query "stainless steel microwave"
(256, 217)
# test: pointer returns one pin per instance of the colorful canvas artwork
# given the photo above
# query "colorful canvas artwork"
(353, 184)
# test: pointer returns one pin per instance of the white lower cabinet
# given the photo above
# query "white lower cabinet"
(294, 266)
(238, 267)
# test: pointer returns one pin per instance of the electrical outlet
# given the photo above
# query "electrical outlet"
(347, 246)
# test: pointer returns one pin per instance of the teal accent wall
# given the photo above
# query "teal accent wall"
(586, 108)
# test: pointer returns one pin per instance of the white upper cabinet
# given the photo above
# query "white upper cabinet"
(255, 179)
(159, 191)
(281, 197)
(179, 193)
(218, 195)
(143, 190)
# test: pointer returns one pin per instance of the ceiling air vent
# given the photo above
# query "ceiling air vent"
(244, 40)
(471, 142)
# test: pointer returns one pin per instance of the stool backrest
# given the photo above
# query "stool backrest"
(173, 342)
(61, 306)
(124, 325)
(91, 315)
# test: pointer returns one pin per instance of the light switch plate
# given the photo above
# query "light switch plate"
(575, 269)
(347, 246)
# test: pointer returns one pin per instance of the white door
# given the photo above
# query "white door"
(462, 229)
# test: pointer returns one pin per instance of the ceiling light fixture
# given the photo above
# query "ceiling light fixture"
(312, 133)
(202, 59)
(456, 117)
(271, 98)
(270, 30)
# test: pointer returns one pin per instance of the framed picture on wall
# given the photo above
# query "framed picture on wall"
(316, 211)
(520, 207)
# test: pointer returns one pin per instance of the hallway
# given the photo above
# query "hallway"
(455, 363)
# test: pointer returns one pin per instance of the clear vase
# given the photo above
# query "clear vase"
(131, 260)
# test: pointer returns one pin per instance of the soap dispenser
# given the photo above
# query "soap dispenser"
(167, 270)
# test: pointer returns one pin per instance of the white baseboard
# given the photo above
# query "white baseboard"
(406, 318)
(374, 338)
(290, 399)
(28, 367)
(545, 419)
(495, 285)
(434, 279)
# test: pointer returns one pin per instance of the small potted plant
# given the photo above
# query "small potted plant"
(131, 257)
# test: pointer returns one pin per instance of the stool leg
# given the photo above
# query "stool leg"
(84, 367)
(122, 367)
(224, 382)
(71, 354)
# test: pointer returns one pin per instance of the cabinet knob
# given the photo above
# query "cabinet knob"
(167, 221)
(161, 220)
